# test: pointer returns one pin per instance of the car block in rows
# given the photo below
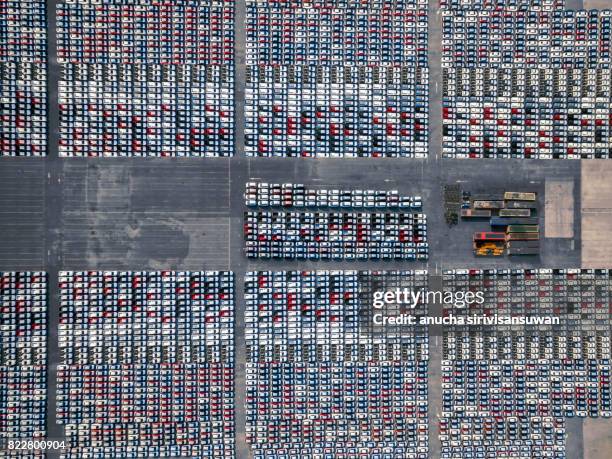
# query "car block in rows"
(324, 310)
(23, 109)
(580, 298)
(148, 363)
(146, 110)
(322, 235)
(534, 344)
(533, 437)
(322, 383)
(341, 112)
(23, 78)
(155, 317)
(527, 113)
(348, 402)
(23, 355)
(23, 404)
(310, 36)
(526, 39)
(23, 34)
(145, 33)
(543, 387)
(175, 393)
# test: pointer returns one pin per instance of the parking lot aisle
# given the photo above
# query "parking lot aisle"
(434, 369)
(434, 47)
(53, 221)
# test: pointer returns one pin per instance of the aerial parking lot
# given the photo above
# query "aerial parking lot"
(198, 201)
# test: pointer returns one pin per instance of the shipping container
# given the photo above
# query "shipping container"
(523, 229)
(524, 251)
(521, 205)
(515, 213)
(475, 213)
(515, 196)
(488, 197)
(523, 244)
(488, 205)
(489, 236)
(523, 236)
(507, 221)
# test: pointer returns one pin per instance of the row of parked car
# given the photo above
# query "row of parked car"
(152, 434)
(264, 194)
(147, 363)
(317, 385)
(521, 39)
(336, 111)
(23, 355)
(146, 110)
(345, 4)
(336, 235)
(544, 344)
(144, 32)
(129, 452)
(336, 36)
(505, 5)
(589, 84)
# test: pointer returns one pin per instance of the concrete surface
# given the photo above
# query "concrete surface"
(596, 210)
(596, 4)
(597, 438)
(559, 209)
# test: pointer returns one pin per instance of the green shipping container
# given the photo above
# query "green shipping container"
(523, 228)
(523, 236)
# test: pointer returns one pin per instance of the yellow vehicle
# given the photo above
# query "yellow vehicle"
(489, 249)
